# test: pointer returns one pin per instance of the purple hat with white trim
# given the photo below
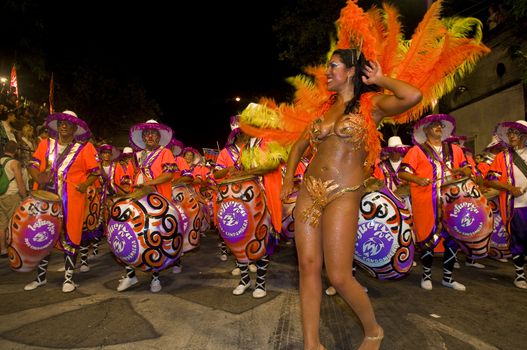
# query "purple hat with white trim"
(395, 144)
(176, 147)
(459, 139)
(81, 134)
(503, 127)
(106, 147)
(419, 135)
(136, 133)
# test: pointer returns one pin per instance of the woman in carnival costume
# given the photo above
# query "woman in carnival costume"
(341, 113)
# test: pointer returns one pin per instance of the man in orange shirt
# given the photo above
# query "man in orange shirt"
(66, 165)
(426, 166)
(156, 166)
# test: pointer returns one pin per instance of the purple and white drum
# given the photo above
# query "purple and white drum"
(385, 242)
(467, 216)
(243, 219)
(145, 230)
(33, 230)
(288, 219)
(500, 239)
(186, 198)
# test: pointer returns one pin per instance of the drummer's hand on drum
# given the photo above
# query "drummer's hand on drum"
(81, 187)
(423, 181)
(516, 191)
(43, 179)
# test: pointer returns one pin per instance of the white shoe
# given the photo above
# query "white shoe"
(414, 264)
(236, 272)
(456, 265)
(454, 285)
(176, 269)
(330, 291)
(155, 286)
(520, 284)
(223, 257)
(475, 264)
(503, 260)
(126, 283)
(426, 284)
(84, 268)
(61, 269)
(252, 268)
(34, 285)
(259, 293)
(68, 287)
(241, 289)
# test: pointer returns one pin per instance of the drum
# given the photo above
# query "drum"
(145, 230)
(500, 239)
(243, 219)
(288, 219)
(185, 198)
(385, 240)
(92, 226)
(467, 216)
(34, 229)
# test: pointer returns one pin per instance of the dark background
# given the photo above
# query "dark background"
(191, 62)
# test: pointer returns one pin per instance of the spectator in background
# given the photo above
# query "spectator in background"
(15, 192)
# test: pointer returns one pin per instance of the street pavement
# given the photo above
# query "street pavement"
(196, 308)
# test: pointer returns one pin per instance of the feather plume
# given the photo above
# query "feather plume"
(354, 26)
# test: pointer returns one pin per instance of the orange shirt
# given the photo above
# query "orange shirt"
(71, 170)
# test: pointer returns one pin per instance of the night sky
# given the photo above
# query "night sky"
(194, 77)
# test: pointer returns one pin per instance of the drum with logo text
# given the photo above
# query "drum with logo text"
(467, 216)
(33, 230)
(243, 219)
(500, 239)
(186, 200)
(385, 239)
(145, 230)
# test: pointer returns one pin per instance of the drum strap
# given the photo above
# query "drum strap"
(519, 162)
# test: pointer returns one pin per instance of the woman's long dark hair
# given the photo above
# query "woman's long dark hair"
(349, 58)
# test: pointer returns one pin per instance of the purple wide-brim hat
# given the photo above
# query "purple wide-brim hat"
(81, 134)
(232, 136)
(127, 152)
(106, 147)
(176, 147)
(503, 127)
(197, 156)
(136, 133)
(398, 149)
(460, 139)
(419, 135)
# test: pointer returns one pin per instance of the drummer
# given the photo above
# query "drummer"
(460, 141)
(387, 169)
(123, 173)
(508, 173)
(65, 164)
(156, 166)
(427, 165)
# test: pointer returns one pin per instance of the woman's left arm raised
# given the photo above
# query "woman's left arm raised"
(404, 97)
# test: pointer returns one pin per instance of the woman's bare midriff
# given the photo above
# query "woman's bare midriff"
(336, 160)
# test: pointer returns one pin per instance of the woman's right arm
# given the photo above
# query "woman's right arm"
(295, 155)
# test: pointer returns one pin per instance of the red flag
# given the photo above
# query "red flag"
(51, 92)
(14, 82)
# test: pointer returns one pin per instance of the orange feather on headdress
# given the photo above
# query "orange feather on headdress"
(439, 53)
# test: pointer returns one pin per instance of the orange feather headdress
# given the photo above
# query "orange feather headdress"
(439, 53)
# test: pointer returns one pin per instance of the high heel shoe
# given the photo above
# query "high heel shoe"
(378, 338)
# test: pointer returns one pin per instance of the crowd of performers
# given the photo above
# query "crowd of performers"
(153, 201)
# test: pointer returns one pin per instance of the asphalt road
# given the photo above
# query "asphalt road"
(196, 309)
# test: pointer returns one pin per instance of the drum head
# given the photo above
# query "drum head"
(45, 196)
(449, 180)
(141, 192)
(237, 179)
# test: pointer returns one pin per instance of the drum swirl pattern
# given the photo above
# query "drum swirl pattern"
(385, 243)
(145, 232)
